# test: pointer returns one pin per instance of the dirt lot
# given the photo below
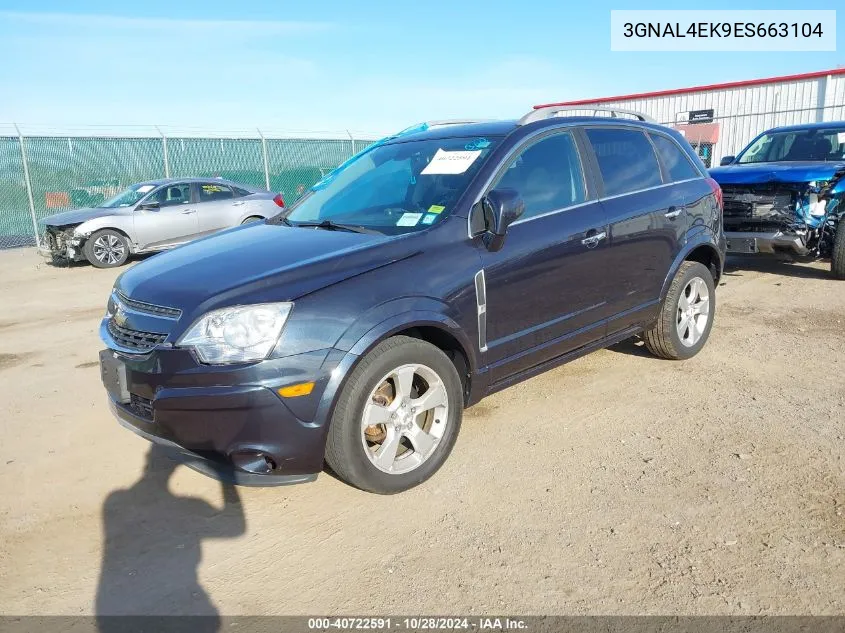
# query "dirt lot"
(618, 484)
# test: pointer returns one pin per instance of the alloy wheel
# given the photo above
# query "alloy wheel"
(109, 249)
(693, 312)
(404, 418)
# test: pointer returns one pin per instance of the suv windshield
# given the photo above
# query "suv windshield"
(395, 188)
(814, 144)
(129, 197)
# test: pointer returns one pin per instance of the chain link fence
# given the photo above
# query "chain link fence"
(41, 175)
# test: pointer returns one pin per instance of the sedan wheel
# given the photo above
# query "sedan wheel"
(107, 249)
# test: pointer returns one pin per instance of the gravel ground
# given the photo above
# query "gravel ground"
(617, 484)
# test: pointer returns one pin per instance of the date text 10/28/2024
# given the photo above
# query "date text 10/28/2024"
(417, 624)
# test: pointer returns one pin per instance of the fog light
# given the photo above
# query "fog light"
(293, 391)
(253, 462)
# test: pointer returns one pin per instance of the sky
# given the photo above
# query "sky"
(332, 65)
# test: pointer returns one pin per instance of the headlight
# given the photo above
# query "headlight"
(237, 334)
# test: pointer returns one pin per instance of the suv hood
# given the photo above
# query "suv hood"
(787, 172)
(256, 263)
(78, 216)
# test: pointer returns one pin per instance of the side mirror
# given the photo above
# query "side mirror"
(150, 206)
(500, 208)
(726, 160)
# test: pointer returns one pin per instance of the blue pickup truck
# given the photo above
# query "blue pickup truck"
(784, 194)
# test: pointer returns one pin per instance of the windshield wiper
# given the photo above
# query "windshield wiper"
(332, 226)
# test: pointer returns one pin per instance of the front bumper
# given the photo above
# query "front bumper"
(228, 422)
(218, 468)
(61, 245)
(748, 242)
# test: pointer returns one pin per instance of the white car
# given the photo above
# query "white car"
(153, 216)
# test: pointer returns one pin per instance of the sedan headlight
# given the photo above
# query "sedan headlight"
(237, 334)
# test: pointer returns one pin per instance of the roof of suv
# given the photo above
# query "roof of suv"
(503, 128)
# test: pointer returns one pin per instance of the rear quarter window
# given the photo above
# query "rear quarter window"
(626, 160)
(674, 159)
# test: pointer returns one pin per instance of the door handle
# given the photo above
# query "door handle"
(592, 240)
(189, 211)
(238, 204)
(673, 213)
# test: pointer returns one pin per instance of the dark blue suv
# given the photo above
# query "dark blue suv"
(436, 267)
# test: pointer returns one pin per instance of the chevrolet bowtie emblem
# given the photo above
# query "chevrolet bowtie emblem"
(120, 317)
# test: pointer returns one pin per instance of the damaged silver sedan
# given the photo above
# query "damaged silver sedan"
(784, 194)
(153, 216)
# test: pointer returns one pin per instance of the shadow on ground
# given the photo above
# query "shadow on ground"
(152, 548)
(736, 265)
(66, 263)
(633, 346)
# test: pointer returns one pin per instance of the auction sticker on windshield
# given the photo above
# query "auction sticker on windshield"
(450, 162)
(145, 188)
(409, 219)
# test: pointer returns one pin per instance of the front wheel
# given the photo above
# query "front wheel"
(686, 316)
(837, 256)
(106, 249)
(397, 417)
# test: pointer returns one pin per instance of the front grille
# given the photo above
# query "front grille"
(135, 340)
(764, 204)
(56, 238)
(149, 308)
(142, 407)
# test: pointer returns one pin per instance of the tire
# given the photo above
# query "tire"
(353, 449)
(837, 255)
(251, 219)
(664, 339)
(106, 249)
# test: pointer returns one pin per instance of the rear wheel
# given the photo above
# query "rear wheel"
(397, 418)
(686, 316)
(106, 249)
(837, 256)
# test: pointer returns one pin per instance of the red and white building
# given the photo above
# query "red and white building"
(720, 119)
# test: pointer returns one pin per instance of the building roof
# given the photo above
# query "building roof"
(722, 86)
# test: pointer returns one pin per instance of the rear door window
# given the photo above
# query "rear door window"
(626, 160)
(210, 192)
(675, 161)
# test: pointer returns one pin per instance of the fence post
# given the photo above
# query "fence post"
(28, 183)
(164, 150)
(266, 161)
(351, 138)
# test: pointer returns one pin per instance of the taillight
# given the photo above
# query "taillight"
(717, 192)
(279, 200)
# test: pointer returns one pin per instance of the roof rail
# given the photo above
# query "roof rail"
(446, 122)
(547, 112)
